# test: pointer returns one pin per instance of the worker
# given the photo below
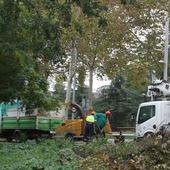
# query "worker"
(101, 120)
(89, 125)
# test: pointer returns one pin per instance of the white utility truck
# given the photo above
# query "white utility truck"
(154, 117)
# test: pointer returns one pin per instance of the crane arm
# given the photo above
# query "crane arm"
(159, 88)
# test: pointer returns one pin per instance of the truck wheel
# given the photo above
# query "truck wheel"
(16, 136)
(149, 135)
(9, 139)
(23, 137)
(70, 136)
(20, 136)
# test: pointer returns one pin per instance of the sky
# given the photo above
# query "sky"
(98, 83)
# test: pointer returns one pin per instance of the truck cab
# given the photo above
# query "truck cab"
(151, 116)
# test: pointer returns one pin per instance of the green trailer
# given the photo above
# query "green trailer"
(28, 127)
(16, 124)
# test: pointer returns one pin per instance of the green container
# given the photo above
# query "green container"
(30, 122)
(47, 124)
(18, 123)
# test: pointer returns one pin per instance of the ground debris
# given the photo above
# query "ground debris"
(145, 155)
(96, 155)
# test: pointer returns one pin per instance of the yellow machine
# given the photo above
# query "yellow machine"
(75, 126)
(72, 127)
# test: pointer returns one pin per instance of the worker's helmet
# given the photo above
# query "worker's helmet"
(108, 113)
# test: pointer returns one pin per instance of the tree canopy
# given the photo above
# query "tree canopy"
(30, 46)
(111, 37)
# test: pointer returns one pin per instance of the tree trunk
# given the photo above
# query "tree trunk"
(74, 75)
(69, 80)
(90, 93)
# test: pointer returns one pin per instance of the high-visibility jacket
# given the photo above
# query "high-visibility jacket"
(90, 119)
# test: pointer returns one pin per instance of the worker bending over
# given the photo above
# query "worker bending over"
(100, 122)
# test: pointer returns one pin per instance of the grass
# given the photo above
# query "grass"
(60, 154)
(50, 154)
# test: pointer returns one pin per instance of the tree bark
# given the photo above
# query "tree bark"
(70, 77)
(90, 92)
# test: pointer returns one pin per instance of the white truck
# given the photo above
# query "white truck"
(154, 117)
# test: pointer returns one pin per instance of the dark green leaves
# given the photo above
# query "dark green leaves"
(91, 7)
(65, 14)
(102, 22)
(31, 48)
(128, 2)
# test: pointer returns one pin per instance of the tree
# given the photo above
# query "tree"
(38, 36)
(139, 50)
(12, 60)
(30, 49)
(122, 100)
(93, 47)
(73, 36)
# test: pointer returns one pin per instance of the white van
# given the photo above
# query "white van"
(151, 116)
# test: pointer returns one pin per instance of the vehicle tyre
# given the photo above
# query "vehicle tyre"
(70, 136)
(9, 139)
(149, 135)
(19, 136)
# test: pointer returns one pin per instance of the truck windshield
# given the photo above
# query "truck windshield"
(145, 113)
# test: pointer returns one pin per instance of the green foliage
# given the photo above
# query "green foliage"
(122, 100)
(95, 147)
(125, 150)
(29, 42)
(31, 47)
(54, 154)
(102, 22)
(91, 7)
(81, 76)
(60, 154)
(128, 2)
(136, 38)
(11, 67)
(59, 92)
(65, 14)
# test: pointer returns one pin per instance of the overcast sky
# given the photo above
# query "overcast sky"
(98, 83)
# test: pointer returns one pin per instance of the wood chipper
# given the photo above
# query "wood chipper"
(74, 126)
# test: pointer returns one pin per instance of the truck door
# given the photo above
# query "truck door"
(146, 118)
(166, 116)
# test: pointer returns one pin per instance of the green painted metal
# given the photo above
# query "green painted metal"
(45, 123)
(18, 123)
(30, 122)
